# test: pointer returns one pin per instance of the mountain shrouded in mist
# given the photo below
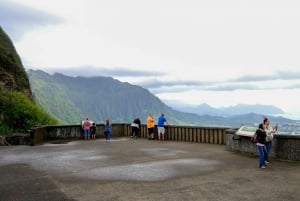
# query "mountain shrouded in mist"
(71, 99)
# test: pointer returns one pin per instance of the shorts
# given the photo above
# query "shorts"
(161, 130)
(150, 130)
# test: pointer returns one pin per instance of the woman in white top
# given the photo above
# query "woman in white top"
(270, 132)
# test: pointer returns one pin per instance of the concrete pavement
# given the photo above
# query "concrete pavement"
(128, 169)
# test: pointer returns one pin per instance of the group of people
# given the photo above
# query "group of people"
(265, 134)
(89, 129)
(136, 126)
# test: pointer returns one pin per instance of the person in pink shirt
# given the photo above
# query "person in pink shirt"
(86, 128)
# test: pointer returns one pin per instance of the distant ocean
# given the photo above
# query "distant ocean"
(294, 116)
(290, 129)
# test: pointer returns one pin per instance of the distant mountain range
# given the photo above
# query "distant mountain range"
(240, 109)
(71, 99)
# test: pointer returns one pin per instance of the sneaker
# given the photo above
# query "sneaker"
(267, 162)
(263, 167)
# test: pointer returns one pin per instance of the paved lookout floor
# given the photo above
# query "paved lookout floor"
(141, 170)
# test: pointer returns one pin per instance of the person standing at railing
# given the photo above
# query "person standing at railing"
(135, 127)
(160, 127)
(150, 126)
(93, 131)
(86, 128)
(107, 130)
(270, 131)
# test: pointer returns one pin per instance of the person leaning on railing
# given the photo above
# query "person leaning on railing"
(160, 127)
(150, 126)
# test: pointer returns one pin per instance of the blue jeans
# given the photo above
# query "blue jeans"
(262, 155)
(107, 135)
(87, 133)
(268, 148)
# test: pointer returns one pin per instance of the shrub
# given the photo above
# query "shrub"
(19, 113)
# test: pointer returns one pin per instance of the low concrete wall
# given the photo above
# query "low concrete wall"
(287, 147)
(211, 135)
(38, 135)
(69, 132)
(284, 147)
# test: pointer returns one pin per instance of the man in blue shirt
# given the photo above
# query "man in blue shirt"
(160, 127)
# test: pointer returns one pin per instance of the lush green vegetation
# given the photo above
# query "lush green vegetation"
(12, 74)
(19, 113)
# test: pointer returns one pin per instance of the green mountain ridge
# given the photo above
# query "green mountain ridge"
(71, 99)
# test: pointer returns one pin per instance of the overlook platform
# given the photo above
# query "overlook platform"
(128, 169)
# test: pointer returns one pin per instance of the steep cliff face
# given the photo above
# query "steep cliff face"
(12, 72)
(18, 111)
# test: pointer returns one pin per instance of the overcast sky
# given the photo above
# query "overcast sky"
(217, 52)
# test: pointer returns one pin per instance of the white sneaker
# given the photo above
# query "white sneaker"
(267, 162)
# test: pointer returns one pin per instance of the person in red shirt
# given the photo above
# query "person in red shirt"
(86, 129)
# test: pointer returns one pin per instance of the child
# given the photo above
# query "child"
(93, 131)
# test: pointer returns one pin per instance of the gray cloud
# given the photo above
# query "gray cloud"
(179, 86)
(156, 83)
(282, 75)
(15, 19)
(232, 87)
(205, 87)
(91, 71)
(248, 82)
(122, 72)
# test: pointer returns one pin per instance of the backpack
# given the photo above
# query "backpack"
(254, 138)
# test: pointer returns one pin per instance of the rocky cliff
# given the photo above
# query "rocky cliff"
(12, 72)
